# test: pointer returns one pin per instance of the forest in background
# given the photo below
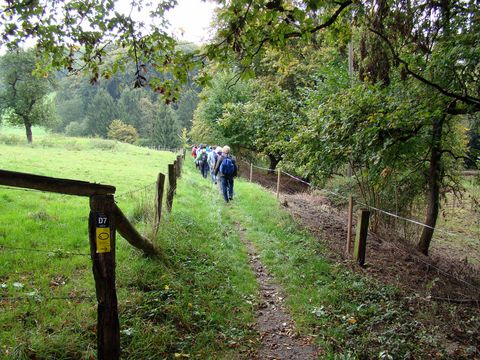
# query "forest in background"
(110, 107)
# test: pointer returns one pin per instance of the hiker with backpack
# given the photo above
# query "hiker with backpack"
(212, 160)
(202, 160)
(226, 170)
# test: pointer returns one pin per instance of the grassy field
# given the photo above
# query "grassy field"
(193, 302)
(199, 300)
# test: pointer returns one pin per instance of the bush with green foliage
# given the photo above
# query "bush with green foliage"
(120, 131)
(76, 128)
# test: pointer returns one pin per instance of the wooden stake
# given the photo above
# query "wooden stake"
(179, 166)
(251, 172)
(349, 225)
(159, 200)
(278, 183)
(175, 177)
(170, 192)
(101, 227)
(128, 231)
(361, 236)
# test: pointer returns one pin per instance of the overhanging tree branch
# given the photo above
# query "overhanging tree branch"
(468, 100)
(324, 25)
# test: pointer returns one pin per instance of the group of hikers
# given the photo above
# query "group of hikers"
(220, 164)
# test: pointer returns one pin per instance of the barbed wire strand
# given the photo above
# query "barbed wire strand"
(443, 272)
(395, 216)
(417, 258)
(17, 188)
(377, 209)
(38, 297)
(66, 252)
(127, 193)
(401, 217)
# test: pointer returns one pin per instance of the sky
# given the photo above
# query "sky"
(190, 20)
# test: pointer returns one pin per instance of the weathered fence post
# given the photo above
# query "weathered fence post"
(101, 228)
(175, 166)
(171, 189)
(179, 166)
(251, 172)
(361, 236)
(159, 200)
(278, 183)
(349, 225)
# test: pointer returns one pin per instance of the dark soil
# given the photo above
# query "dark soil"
(389, 260)
(278, 337)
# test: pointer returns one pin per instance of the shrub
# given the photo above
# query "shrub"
(11, 139)
(102, 144)
(120, 131)
(75, 128)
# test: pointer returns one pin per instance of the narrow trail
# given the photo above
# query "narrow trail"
(279, 339)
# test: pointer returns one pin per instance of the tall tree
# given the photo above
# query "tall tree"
(185, 107)
(23, 94)
(223, 90)
(100, 113)
(435, 43)
(166, 129)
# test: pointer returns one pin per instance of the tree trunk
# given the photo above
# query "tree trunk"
(28, 130)
(273, 162)
(433, 195)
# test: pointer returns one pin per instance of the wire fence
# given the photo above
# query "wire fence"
(38, 298)
(61, 252)
(309, 203)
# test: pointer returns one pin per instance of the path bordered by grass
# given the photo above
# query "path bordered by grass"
(198, 301)
(350, 316)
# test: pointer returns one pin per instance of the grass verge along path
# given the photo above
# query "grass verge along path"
(349, 315)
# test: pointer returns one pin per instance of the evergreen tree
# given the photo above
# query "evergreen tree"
(100, 114)
(186, 107)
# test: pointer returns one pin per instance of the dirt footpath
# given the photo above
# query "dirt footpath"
(279, 339)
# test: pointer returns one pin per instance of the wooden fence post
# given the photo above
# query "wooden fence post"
(159, 200)
(179, 166)
(278, 183)
(251, 172)
(101, 228)
(171, 189)
(349, 225)
(175, 165)
(361, 236)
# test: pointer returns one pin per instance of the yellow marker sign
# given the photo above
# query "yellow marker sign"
(102, 234)
(103, 240)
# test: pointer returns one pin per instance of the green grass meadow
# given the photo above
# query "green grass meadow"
(198, 300)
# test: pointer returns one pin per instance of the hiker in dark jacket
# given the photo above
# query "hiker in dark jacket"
(202, 160)
(226, 170)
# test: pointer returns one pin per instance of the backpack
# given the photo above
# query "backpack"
(203, 157)
(227, 167)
